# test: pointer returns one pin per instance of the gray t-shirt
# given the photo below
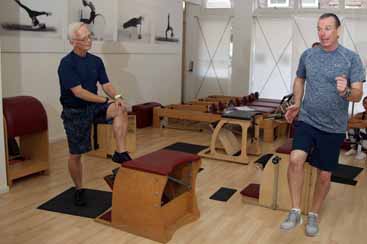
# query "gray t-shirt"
(322, 106)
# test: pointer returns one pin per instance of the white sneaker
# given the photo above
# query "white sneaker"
(360, 156)
(294, 218)
(312, 226)
(350, 152)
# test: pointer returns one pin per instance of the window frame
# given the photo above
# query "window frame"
(271, 4)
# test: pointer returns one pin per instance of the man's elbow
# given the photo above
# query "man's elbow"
(77, 92)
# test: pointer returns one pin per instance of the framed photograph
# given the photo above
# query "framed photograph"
(32, 18)
(278, 3)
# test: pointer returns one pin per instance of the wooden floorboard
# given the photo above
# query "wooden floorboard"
(343, 218)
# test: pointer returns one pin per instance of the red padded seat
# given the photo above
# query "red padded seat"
(286, 148)
(24, 115)
(160, 162)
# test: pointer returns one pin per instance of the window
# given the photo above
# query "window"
(278, 3)
(310, 3)
(219, 3)
(354, 3)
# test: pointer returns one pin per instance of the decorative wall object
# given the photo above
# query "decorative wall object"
(33, 18)
(135, 20)
(99, 15)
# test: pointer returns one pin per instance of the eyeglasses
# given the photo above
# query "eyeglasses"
(85, 39)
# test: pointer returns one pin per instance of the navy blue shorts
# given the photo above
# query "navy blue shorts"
(78, 123)
(322, 147)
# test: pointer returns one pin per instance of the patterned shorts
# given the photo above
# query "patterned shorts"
(78, 123)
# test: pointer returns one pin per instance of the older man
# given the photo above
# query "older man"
(79, 72)
(334, 76)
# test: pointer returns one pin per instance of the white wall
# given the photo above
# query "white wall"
(3, 182)
(242, 33)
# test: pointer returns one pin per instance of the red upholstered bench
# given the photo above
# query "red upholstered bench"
(161, 162)
(154, 195)
(26, 119)
(144, 113)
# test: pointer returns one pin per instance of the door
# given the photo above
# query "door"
(207, 52)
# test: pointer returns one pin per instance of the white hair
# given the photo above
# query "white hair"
(73, 29)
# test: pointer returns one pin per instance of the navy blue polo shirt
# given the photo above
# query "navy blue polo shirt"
(75, 70)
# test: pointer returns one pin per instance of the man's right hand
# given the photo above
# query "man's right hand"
(292, 112)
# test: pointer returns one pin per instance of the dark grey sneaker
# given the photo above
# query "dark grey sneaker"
(294, 218)
(312, 226)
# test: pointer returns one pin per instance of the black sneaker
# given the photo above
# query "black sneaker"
(121, 157)
(79, 198)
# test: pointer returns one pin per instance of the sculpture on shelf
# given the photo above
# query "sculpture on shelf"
(96, 21)
(134, 22)
(92, 14)
(171, 36)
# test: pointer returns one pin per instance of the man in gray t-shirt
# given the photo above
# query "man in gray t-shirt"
(328, 77)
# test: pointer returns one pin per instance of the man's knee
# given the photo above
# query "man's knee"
(121, 116)
(297, 159)
(324, 177)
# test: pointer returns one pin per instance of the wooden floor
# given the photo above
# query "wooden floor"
(343, 218)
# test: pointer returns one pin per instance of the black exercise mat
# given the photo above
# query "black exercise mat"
(97, 203)
(347, 171)
(341, 180)
(223, 194)
(186, 147)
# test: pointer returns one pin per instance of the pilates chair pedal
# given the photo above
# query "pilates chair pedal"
(110, 179)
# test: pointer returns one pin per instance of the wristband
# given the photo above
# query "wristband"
(347, 93)
(117, 96)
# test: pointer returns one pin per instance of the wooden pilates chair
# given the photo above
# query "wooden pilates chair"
(273, 192)
(227, 139)
(104, 143)
(25, 119)
(154, 195)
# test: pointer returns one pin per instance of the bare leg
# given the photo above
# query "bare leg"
(321, 190)
(76, 170)
(296, 176)
(119, 125)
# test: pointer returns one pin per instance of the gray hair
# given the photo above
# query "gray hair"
(73, 28)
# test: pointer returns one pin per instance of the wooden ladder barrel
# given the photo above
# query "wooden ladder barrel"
(25, 118)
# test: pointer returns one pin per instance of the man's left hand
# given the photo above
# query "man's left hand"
(341, 84)
(120, 104)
